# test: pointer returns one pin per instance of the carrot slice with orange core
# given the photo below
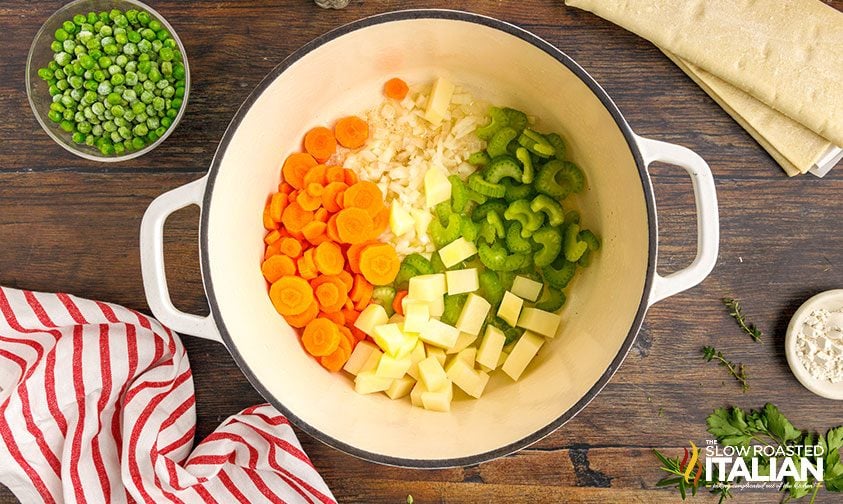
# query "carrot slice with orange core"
(272, 237)
(295, 217)
(276, 205)
(351, 132)
(290, 247)
(334, 174)
(381, 222)
(272, 250)
(350, 177)
(307, 201)
(314, 231)
(303, 318)
(336, 317)
(361, 293)
(347, 279)
(330, 194)
(366, 195)
(315, 189)
(354, 225)
(321, 215)
(353, 255)
(291, 295)
(397, 306)
(307, 268)
(315, 175)
(350, 315)
(320, 143)
(320, 337)
(335, 360)
(285, 188)
(379, 263)
(330, 292)
(277, 266)
(268, 223)
(332, 232)
(328, 258)
(395, 88)
(295, 167)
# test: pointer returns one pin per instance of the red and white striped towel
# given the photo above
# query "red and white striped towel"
(97, 405)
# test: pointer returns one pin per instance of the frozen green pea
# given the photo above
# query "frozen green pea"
(62, 84)
(62, 58)
(78, 137)
(68, 45)
(157, 45)
(61, 34)
(106, 30)
(149, 86)
(104, 88)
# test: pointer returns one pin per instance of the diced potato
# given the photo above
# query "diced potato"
(490, 347)
(464, 376)
(439, 100)
(361, 353)
(462, 281)
(431, 373)
(400, 220)
(427, 287)
(502, 358)
(438, 333)
(417, 355)
(463, 340)
(416, 393)
(522, 353)
(473, 314)
(469, 355)
(392, 367)
(400, 387)
(439, 399)
(389, 337)
(396, 318)
(437, 353)
(510, 308)
(457, 251)
(371, 316)
(372, 362)
(410, 342)
(416, 315)
(367, 382)
(422, 220)
(436, 306)
(539, 321)
(437, 187)
(526, 288)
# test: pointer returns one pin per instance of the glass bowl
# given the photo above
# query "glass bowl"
(40, 54)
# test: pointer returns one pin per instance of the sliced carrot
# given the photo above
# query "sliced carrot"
(295, 217)
(335, 360)
(353, 255)
(321, 215)
(276, 267)
(334, 174)
(315, 189)
(320, 337)
(307, 268)
(354, 225)
(272, 237)
(303, 318)
(366, 195)
(316, 175)
(379, 263)
(320, 143)
(268, 223)
(351, 132)
(349, 305)
(291, 295)
(295, 166)
(350, 177)
(330, 292)
(361, 293)
(277, 204)
(313, 232)
(395, 88)
(290, 247)
(331, 193)
(307, 201)
(350, 315)
(350, 340)
(397, 306)
(381, 222)
(337, 317)
(332, 232)
(328, 258)
(285, 188)
(272, 249)
(347, 279)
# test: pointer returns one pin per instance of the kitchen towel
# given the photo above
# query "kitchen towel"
(773, 65)
(97, 405)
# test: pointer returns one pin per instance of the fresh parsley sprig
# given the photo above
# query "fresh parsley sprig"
(738, 371)
(736, 312)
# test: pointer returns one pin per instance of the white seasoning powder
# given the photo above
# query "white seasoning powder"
(819, 344)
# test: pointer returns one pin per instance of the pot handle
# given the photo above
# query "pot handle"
(152, 262)
(708, 221)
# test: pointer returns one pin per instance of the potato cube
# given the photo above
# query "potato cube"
(522, 353)
(437, 187)
(463, 340)
(510, 308)
(526, 288)
(464, 376)
(400, 387)
(367, 382)
(462, 281)
(439, 100)
(389, 337)
(392, 367)
(400, 220)
(427, 287)
(373, 315)
(539, 321)
(439, 399)
(417, 355)
(416, 393)
(468, 355)
(490, 347)
(431, 373)
(438, 333)
(473, 314)
(416, 315)
(361, 353)
(422, 219)
(457, 251)
(437, 353)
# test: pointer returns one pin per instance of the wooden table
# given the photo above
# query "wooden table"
(71, 225)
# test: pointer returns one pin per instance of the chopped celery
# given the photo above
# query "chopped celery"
(469, 229)
(558, 145)
(502, 167)
(559, 273)
(573, 247)
(495, 258)
(517, 119)
(523, 155)
(442, 235)
(491, 287)
(497, 145)
(536, 143)
(551, 300)
(551, 241)
(496, 206)
(499, 119)
(514, 241)
(484, 187)
(516, 191)
(453, 307)
(383, 296)
(437, 264)
(530, 221)
(551, 208)
(420, 263)
(479, 158)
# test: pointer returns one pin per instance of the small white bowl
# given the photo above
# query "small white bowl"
(832, 300)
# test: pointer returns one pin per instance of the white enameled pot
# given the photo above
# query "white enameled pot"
(342, 73)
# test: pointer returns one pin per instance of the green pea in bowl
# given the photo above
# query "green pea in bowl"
(108, 80)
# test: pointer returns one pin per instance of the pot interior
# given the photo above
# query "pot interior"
(343, 74)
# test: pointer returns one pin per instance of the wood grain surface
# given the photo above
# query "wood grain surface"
(67, 224)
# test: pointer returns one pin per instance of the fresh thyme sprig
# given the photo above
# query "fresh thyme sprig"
(735, 311)
(736, 370)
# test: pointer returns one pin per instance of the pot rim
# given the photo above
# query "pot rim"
(559, 56)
